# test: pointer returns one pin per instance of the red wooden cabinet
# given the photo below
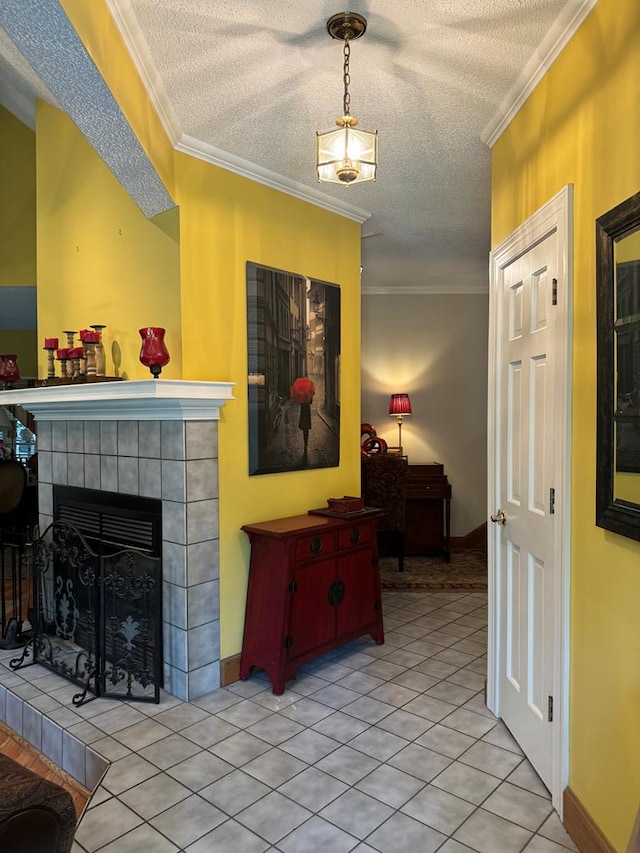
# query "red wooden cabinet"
(314, 584)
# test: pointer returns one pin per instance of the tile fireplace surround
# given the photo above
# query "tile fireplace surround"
(157, 439)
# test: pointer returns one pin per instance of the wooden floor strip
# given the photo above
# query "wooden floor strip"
(16, 747)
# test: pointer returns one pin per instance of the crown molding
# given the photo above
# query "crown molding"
(435, 289)
(217, 157)
(566, 25)
(135, 42)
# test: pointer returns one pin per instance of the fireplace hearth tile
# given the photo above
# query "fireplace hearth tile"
(128, 476)
(60, 468)
(95, 765)
(45, 440)
(175, 681)
(75, 469)
(91, 472)
(51, 740)
(150, 443)
(142, 734)
(203, 603)
(150, 479)
(118, 718)
(91, 436)
(174, 522)
(58, 436)
(203, 562)
(175, 646)
(173, 480)
(45, 465)
(202, 521)
(128, 443)
(75, 435)
(174, 562)
(202, 439)
(73, 757)
(202, 480)
(108, 473)
(174, 605)
(32, 725)
(204, 644)
(108, 438)
(3, 702)
(45, 498)
(204, 680)
(13, 713)
(172, 439)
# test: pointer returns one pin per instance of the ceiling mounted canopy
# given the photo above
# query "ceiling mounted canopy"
(346, 155)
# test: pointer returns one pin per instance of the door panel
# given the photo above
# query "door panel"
(527, 537)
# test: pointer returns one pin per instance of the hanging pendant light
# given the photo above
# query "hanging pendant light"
(346, 155)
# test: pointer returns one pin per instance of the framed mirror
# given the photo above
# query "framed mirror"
(618, 397)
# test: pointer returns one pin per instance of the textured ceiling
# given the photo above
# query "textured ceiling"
(257, 78)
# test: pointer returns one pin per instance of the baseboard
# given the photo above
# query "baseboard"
(585, 832)
(229, 670)
(475, 539)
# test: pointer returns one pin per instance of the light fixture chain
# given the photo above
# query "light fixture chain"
(346, 101)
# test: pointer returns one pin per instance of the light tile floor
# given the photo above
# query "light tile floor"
(372, 748)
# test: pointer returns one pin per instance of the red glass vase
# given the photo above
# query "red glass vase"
(9, 370)
(153, 353)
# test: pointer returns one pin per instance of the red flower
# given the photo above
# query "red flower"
(302, 390)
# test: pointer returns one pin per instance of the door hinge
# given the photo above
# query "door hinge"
(293, 586)
(554, 291)
(552, 501)
(288, 641)
(550, 709)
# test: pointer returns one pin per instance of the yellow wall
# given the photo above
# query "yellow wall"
(582, 126)
(18, 208)
(100, 260)
(226, 221)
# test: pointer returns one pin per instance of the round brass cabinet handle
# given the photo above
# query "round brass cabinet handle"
(500, 517)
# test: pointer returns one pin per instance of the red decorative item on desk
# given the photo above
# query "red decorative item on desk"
(9, 370)
(153, 353)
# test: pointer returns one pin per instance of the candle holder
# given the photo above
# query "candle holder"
(75, 355)
(63, 357)
(153, 353)
(51, 364)
(101, 362)
(70, 338)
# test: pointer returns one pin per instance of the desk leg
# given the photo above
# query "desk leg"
(447, 516)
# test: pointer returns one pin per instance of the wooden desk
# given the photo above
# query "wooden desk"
(428, 511)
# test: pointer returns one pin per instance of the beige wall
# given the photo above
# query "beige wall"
(435, 348)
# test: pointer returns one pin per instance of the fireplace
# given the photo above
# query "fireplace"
(158, 440)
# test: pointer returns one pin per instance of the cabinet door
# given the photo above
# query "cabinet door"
(361, 600)
(313, 620)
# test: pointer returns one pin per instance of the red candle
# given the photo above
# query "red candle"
(76, 352)
(51, 343)
(62, 353)
(90, 337)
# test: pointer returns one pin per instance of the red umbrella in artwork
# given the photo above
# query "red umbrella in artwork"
(302, 390)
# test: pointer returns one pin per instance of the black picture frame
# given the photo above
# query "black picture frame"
(293, 343)
(615, 514)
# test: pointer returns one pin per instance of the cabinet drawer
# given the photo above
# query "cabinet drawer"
(315, 545)
(356, 534)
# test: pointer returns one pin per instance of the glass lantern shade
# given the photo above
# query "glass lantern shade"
(346, 155)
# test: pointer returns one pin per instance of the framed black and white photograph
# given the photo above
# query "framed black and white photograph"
(293, 371)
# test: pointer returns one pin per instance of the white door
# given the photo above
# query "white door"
(529, 492)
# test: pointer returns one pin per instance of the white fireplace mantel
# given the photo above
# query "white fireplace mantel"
(130, 400)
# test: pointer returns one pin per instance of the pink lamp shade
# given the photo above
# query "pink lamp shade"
(153, 353)
(400, 405)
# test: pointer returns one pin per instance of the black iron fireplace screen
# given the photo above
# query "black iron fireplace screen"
(98, 619)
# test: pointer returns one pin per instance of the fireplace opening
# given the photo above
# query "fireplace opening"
(98, 570)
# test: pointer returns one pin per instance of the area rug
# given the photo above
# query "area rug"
(467, 570)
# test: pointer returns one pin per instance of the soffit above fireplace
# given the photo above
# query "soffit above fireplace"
(136, 400)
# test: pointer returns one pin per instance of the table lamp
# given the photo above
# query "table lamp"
(400, 407)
